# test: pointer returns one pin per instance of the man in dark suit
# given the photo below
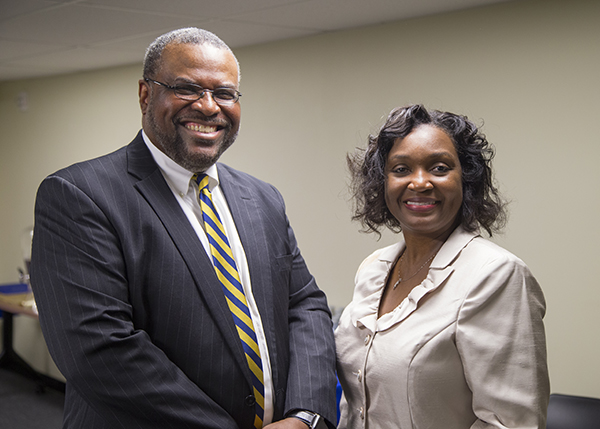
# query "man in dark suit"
(132, 302)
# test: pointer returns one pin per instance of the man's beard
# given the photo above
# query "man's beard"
(177, 150)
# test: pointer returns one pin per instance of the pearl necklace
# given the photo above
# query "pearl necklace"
(400, 279)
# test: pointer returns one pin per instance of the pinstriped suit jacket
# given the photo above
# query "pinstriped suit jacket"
(135, 317)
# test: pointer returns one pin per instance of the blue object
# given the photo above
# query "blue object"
(338, 394)
(13, 288)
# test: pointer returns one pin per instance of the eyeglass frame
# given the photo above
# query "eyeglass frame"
(202, 92)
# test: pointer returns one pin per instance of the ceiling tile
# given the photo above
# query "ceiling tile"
(48, 36)
(77, 59)
(338, 14)
(201, 9)
(79, 25)
(11, 9)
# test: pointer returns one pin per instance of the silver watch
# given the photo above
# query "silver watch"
(312, 420)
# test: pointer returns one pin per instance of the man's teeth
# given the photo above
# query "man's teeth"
(201, 128)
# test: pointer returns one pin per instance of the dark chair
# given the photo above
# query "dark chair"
(573, 412)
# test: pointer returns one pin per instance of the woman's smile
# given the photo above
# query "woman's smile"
(420, 205)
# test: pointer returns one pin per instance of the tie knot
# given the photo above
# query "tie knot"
(201, 180)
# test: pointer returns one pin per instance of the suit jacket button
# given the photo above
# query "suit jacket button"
(250, 400)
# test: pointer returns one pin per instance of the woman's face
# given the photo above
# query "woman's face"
(423, 185)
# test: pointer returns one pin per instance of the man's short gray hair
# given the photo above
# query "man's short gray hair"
(190, 35)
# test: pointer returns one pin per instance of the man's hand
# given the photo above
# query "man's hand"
(289, 423)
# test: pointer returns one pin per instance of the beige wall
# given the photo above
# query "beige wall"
(528, 68)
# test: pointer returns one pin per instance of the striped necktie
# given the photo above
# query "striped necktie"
(227, 272)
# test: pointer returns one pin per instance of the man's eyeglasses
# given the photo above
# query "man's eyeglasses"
(193, 92)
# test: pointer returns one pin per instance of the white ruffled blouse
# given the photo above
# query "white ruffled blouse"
(465, 349)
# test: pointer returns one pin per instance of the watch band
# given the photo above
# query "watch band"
(312, 420)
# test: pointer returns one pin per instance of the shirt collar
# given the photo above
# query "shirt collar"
(373, 277)
(458, 240)
(176, 175)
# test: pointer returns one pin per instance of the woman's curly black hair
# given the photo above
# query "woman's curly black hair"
(482, 205)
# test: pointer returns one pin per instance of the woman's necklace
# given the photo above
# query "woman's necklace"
(400, 279)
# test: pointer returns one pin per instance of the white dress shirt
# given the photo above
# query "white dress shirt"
(186, 192)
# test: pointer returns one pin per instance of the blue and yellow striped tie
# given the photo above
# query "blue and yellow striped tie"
(227, 273)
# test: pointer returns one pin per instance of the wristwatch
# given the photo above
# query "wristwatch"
(312, 420)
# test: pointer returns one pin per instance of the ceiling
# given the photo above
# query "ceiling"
(49, 37)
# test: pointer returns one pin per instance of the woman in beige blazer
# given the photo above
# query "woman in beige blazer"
(445, 328)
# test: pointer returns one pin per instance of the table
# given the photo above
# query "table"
(12, 298)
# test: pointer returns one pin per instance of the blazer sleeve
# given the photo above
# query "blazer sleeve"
(79, 279)
(311, 383)
(501, 341)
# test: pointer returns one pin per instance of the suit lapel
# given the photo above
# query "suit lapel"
(159, 196)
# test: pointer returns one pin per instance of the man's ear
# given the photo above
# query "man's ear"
(144, 95)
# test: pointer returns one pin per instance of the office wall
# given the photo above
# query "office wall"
(527, 69)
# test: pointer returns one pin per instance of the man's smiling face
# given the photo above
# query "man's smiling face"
(192, 133)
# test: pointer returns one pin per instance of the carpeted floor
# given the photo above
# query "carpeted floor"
(23, 406)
